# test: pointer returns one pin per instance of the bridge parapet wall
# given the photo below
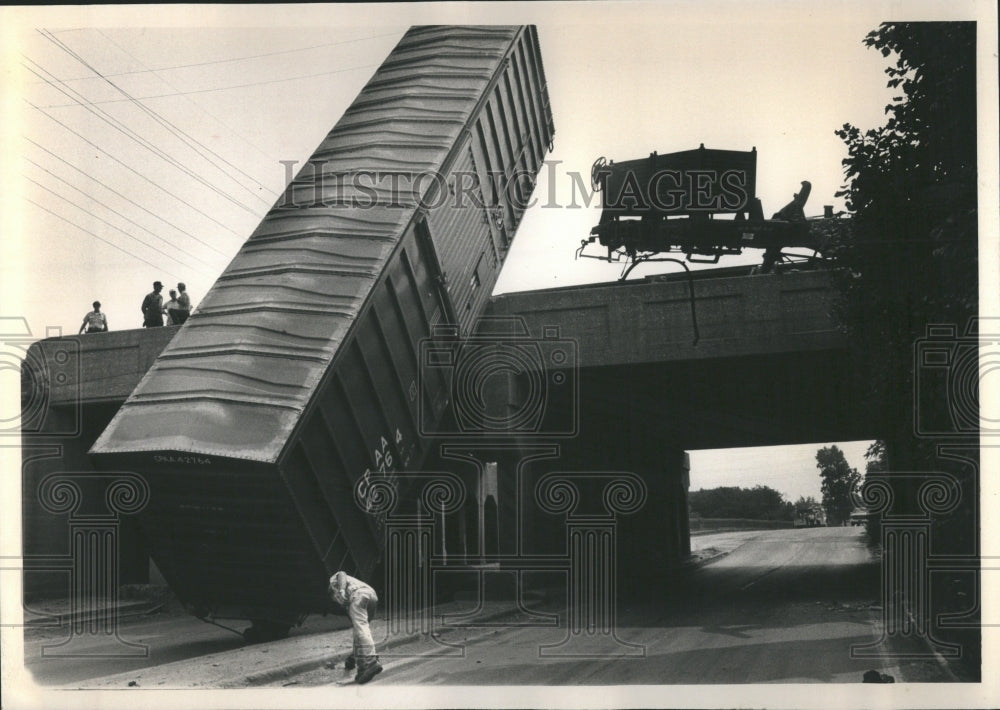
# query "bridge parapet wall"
(96, 367)
(651, 321)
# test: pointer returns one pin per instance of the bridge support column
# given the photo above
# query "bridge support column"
(684, 519)
(656, 539)
(591, 545)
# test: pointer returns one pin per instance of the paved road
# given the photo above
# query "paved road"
(168, 635)
(783, 606)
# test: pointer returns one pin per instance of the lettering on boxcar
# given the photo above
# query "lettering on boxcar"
(189, 460)
(384, 465)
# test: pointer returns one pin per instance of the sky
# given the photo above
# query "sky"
(101, 200)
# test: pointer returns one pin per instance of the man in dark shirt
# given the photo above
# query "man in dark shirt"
(152, 307)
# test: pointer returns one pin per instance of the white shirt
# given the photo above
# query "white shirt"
(343, 587)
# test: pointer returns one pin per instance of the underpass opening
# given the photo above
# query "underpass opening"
(773, 487)
(767, 520)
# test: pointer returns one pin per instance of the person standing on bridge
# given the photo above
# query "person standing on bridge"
(183, 305)
(152, 307)
(170, 308)
(95, 321)
(359, 599)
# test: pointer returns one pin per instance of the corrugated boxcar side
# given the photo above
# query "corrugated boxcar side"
(297, 374)
(364, 423)
(495, 165)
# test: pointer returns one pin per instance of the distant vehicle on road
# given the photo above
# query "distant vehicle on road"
(859, 517)
(811, 517)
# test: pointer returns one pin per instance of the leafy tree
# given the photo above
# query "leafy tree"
(876, 464)
(757, 503)
(840, 483)
(805, 503)
(911, 261)
(911, 257)
(875, 459)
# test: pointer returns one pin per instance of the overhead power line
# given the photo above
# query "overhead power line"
(198, 106)
(100, 238)
(115, 192)
(54, 193)
(233, 59)
(136, 172)
(136, 138)
(221, 88)
(197, 265)
(192, 142)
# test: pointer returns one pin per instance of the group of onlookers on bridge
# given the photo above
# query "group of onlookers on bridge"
(177, 309)
(154, 310)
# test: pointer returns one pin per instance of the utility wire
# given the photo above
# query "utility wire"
(196, 105)
(136, 172)
(100, 238)
(113, 191)
(179, 133)
(136, 138)
(221, 88)
(101, 219)
(233, 59)
(197, 265)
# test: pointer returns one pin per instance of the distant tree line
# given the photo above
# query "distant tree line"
(757, 503)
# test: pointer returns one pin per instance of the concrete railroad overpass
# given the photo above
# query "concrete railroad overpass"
(769, 368)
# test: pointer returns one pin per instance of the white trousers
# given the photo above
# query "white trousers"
(357, 609)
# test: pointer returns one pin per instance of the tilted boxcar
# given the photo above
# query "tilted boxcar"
(297, 376)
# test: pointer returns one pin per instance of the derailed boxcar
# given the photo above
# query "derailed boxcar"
(297, 376)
